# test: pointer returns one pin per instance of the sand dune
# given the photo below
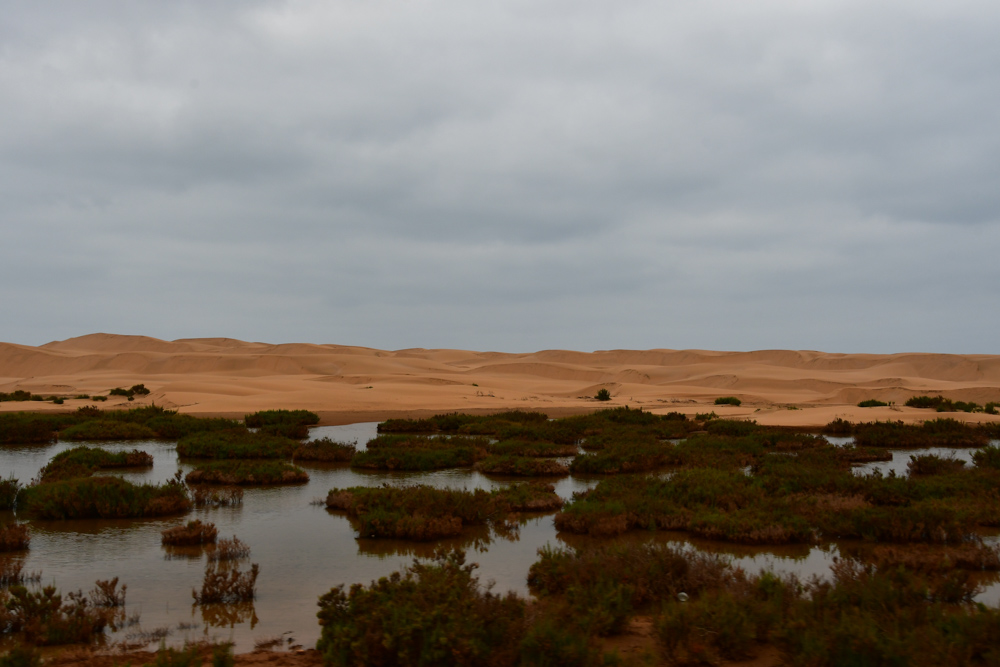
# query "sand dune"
(343, 383)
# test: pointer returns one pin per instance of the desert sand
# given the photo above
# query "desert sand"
(222, 376)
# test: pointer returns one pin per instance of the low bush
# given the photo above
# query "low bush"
(107, 429)
(195, 532)
(409, 441)
(872, 403)
(101, 497)
(432, 613)
(603, 395)
(521, 466)
(226, 584)
(14, 537)
(988, 457)
(235, 444)
(423, 513)
(416, 459)
(728, 400)
(47, 618)
(266, 418)
(932, 464)
(8, 492)
(229, 549)
(227, 497)
(324, 449)
(528, 448)
(247, 473)
(932, 433)
(84, 461)
(840, 427)
(30, 428)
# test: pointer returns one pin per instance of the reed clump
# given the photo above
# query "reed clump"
(864, 616)
(521, 466)
(84, 461)
(8, 492)
(536, 449)
(14, 537)
(238, 443)
(108, 429)
(193, 533)
(943, 432)
(325, 450)
(266, 418)
(247, 473)
(47, 618)
(225, 583)
(230, 549)
(423, 513)
(227, 497)
(407, 458)
(932, 464)
(433, 613)
(101, 497)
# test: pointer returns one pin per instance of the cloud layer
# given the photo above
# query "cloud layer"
(503, 175)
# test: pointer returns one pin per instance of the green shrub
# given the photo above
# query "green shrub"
(603, 395)
(728, 400)
(324, 449)
(932, 464)
(417, 459)
(106, 429)
(84, 461)
(988, 457)
(528, 448)
(266, 418)
(521, 466)
(247, 473)
(8, 492)
(30, 428)
(872, 403)
(235, 444)
(18, 395)
(101, 497)
(433, 613)
(47, 618)
(424, 513)
(14, 537)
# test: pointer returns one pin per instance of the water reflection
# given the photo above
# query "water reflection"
(227, 615)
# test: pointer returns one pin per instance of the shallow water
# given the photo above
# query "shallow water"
(303, 549)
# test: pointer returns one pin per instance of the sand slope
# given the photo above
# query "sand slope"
(226, 376)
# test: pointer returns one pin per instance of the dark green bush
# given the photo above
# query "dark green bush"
(416, 459)
(324, 449)
(8, 492)
(987, 457)
(521, 466)
(247, 473)
(528, 448)
(432, 613)
(101, 497)
(84, 461)
(603, 395)
(266, 418)
(872, 403)
(236, 443)
(30, 428)
(424, 513)
(728, 400)
(106, 429)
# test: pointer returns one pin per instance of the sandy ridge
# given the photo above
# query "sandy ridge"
(223, 375)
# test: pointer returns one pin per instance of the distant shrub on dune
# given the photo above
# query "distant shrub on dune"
(872, 403)
(728, 400)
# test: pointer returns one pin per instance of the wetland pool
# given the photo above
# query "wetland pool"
(302, 548)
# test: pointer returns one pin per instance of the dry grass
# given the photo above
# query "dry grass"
(195, 532)
(14, 537)
(229, 550)
(227, 497)
(227, 584)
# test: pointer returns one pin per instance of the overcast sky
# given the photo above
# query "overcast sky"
(504, 175)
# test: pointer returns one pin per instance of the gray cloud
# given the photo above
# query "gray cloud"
(513, 176)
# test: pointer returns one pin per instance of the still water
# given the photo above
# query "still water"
(303, 550)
